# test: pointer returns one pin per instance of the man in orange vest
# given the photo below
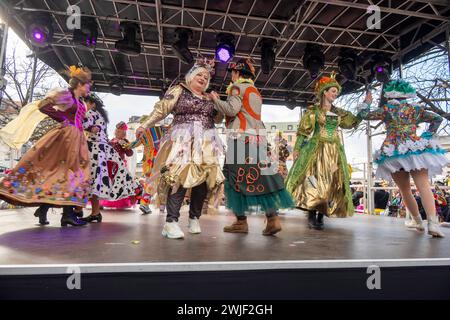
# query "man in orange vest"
(252, 178)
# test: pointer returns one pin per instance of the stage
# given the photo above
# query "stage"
(22, 241)
(297, 263)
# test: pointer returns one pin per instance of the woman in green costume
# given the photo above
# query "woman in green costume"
(319, 180)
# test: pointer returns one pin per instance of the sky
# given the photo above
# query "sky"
(121, 108)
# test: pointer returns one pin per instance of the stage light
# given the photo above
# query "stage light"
(348, 63)
(39, 30)
(128, 45)
(116, 86)
(86, 36)
(267, 54)
(290, 102)
(381, 67)
(313, 59)
(225, 47)
(181, 45)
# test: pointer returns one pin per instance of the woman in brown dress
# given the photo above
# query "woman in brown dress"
(55, 171)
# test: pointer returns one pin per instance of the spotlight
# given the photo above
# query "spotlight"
(116, 86)
(267, 54)
(291, 102)
(381, 67)
(86, 36)
(39, 30)
(348, 63)
(128, 45)
(180, 46)
(225, 47)
(313, 59)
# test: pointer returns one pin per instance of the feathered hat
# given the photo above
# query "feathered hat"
(325, 83)
(397, 89)
(245, 66)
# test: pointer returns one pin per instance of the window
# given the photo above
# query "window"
(273, 128)
(289, 127)
(289, 138)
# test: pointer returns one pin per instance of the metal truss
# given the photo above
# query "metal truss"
(289, 34)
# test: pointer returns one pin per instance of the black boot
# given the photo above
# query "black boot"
(78, 212)
(311, 218)
(41, 212)
(69, 217)
(97, 217)
(319, 222)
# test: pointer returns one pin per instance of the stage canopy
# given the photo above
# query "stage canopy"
(408, 28)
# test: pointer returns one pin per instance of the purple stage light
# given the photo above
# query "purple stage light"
(379, 69)
(38, 35)
(223, 54)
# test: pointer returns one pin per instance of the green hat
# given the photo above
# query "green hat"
(399, 89)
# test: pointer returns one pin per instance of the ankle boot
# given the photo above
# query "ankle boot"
(433, 228)
(311, 218)
(41, 212)
(273, 225)
(69, 217)
(319, 222)
(239, 226)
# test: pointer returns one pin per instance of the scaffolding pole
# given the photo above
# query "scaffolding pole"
(369, 169)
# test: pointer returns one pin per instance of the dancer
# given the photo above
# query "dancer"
(150, 140)
(55, 171)
(404, 154)
(251, 179)
(121, 144)
(319, 179)
(188, 157)
(283, 153)
(110, 178)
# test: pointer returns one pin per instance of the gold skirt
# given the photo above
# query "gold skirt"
(324, 186)
(54, 171)
(186, 159)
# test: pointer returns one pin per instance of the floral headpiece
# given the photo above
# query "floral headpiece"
(81, 73)
(325, 83)
(206, 63)
(122, 126)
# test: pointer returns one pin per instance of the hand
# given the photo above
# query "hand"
(140, 132)
(95, 130)
(214, 96)
(368, 99)
(63, 99)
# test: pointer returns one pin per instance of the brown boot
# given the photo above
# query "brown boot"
(239, 226)
(273, 225)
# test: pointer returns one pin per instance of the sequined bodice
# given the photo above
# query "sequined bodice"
(328, 125)
(401, 122)
(192, 109)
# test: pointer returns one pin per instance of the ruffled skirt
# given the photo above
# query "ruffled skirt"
(410, 156)
(188, 156)
(54, 171)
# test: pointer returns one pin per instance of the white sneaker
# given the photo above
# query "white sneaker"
(194, 226)
(172, 230)
(434, 230)
(415, 223)
(145, 209)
